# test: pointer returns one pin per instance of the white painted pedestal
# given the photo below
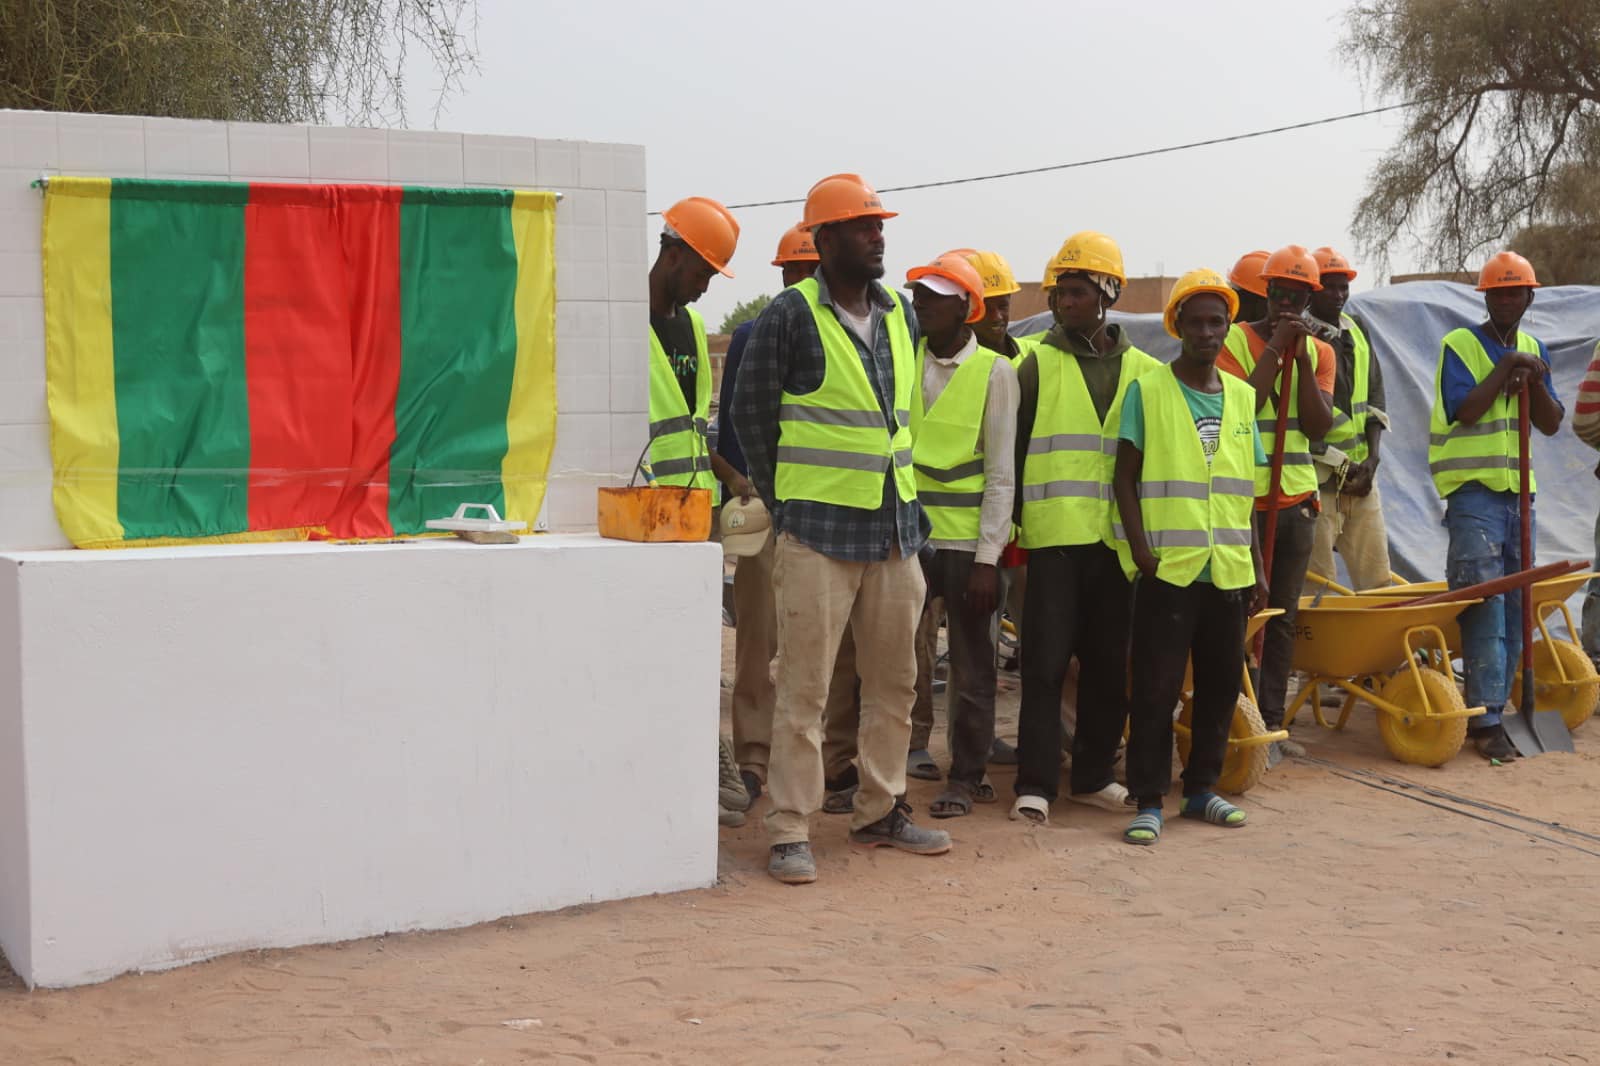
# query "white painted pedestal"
(209, 749)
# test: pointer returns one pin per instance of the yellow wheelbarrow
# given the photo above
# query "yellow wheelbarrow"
(1396, 659)
(1564, 678)
(1248, 735)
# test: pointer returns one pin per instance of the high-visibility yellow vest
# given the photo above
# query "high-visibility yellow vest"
(1348, 432)
(1066, 475)
(678, 451)
(1024, 346)
(1299, 476)
(1194, 514)
(945, 448)
(834, 445)
(1488, 450)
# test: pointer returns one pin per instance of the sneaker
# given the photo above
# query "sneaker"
(730, 787)
(1291, 747)
(1492, 743)
(752, 785)
(792, 863)
(730, 818)
(896, 830)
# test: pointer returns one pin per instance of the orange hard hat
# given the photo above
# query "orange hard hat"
(1246, 273)
(795, 246)
(1507, 270)
(1331, 262)
(707, 227)
(1292, 263)
(953, 267)
(841, 197)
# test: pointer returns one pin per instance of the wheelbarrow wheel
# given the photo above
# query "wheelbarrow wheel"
(1576, 701)
(1424, 741)
(1242, 768)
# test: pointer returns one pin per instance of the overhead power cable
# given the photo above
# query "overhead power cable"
(1146, 153)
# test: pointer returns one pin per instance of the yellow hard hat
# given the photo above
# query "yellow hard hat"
(1198, 281)
(995, 272)
(1087, 251)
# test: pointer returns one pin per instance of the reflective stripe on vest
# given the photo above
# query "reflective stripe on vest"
(678, 451)
(1066, 474)
(834, 445)
(1348, 432)
(948, 459)
(1299, 476)
(1487, 450)
(1194, 515)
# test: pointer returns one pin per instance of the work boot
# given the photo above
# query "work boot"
(1492, 743)
(792, 863)
(731, 819)
(730, 787)
(896, 830)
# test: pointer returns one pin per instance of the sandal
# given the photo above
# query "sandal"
(953, 802)
(920, 765)
(841, 802)
(984, 793)
(1212, 808)
(1145, 828)
(1035, 809)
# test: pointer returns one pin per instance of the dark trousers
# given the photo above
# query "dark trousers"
(1291, 554)
(1078, 605)
(1173, 627)
(970, 707)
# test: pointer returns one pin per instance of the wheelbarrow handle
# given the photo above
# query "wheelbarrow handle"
(1484, 589)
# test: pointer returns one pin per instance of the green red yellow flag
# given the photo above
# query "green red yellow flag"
(230, 361)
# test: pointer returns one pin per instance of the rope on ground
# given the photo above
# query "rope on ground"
(1409, 789)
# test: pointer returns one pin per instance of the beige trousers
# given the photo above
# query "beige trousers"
(1353, 525)
(755, 643)
(818, 598)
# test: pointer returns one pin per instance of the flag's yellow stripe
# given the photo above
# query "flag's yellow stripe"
(80, 363)
(531, 414)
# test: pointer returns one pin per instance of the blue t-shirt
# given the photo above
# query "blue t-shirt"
(1205, 408)
(1455, 380)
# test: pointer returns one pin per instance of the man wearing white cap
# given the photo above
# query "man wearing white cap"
(963, 425)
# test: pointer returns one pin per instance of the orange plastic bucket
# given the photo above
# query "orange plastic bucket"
(655, 513)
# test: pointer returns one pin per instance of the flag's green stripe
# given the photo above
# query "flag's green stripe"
(458, 350)
(177, 320)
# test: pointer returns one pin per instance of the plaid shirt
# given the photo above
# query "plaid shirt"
(784, 354)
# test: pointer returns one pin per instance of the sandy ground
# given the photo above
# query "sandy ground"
(1345, 924)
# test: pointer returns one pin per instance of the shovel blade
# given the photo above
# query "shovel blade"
(1537, 733)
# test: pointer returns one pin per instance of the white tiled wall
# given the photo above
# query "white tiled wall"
(600, 268)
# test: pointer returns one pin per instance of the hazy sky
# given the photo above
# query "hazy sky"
(755, 101)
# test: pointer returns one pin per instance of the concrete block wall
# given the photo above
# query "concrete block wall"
(601, 262)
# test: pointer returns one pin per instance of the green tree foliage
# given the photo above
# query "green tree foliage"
(255, 60)
(1505, 121)
(747, 311)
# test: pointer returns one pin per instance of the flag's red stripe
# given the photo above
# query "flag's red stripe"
(297, 356)
(371, 260)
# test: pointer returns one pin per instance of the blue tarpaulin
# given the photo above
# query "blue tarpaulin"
(1406, 324)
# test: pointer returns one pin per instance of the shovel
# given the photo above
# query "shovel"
(1531, 732)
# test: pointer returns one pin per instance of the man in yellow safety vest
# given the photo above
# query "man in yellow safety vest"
(697, 242)
(1474, 456)
(1347, 459)
(963, 427)
(1185, 488)
(1071, 390)
(823, 411)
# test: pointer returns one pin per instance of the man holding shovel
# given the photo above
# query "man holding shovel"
(1474, 456)
(1277, 357)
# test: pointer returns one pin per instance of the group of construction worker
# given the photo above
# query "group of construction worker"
(886, 454)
